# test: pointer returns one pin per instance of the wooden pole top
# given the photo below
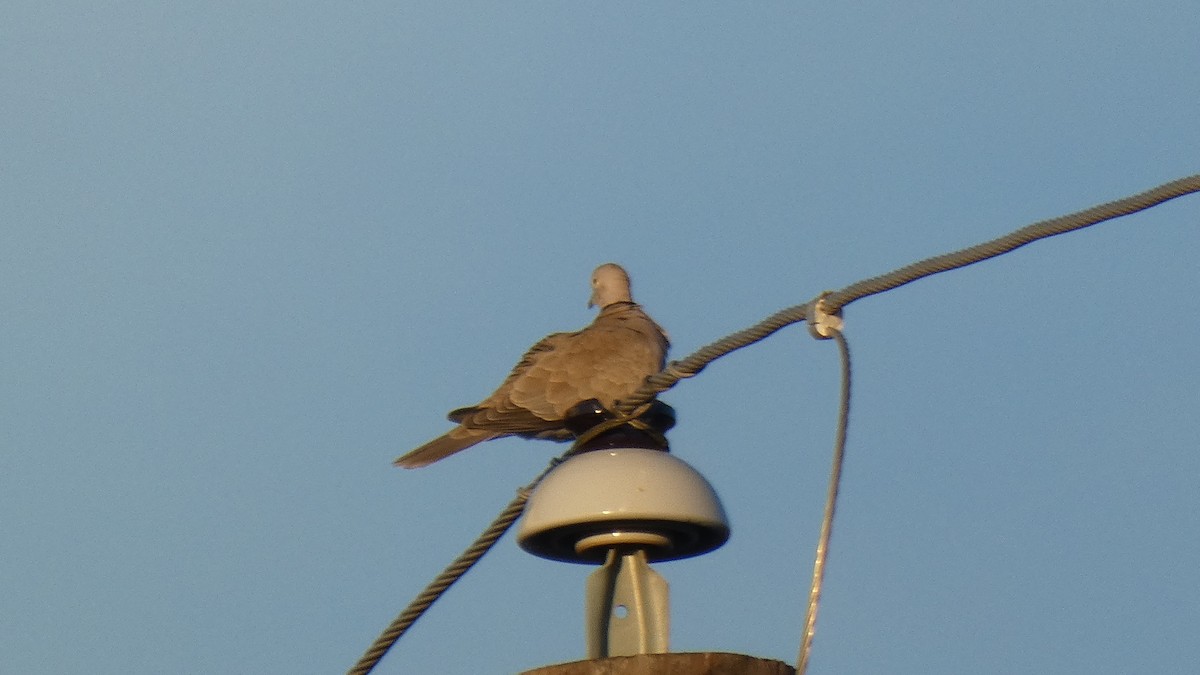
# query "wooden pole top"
(701, 663)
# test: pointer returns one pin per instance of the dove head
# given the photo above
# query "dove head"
(610, 284)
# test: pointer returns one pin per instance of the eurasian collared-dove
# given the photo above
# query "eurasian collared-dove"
(608, 361)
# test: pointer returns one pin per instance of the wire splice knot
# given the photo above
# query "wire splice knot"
(823, 323)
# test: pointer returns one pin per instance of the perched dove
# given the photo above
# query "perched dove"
(608, 361)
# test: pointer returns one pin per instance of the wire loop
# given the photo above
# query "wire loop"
(823, 322)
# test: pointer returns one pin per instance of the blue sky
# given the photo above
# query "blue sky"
(250, 252)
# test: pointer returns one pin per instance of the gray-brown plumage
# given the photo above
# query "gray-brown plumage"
(608, 361)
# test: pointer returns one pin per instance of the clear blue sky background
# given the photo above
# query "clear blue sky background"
(250, 252)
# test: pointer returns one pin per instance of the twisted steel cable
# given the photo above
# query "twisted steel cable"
(453, 572)
(836, 300)
(1015, 240)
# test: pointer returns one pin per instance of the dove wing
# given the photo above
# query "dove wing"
(608, 361)
(505, 413)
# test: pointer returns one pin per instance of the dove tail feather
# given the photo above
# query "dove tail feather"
(443, 446)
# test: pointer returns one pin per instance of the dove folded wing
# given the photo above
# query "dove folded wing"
(607, 361)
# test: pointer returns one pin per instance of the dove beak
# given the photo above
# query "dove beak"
(592, 300)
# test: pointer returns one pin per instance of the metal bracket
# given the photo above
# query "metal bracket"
(626, 609)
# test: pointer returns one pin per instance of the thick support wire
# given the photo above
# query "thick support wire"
(443, 581)
(695, 362)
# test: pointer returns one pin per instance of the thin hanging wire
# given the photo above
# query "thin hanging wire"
(835, 479)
